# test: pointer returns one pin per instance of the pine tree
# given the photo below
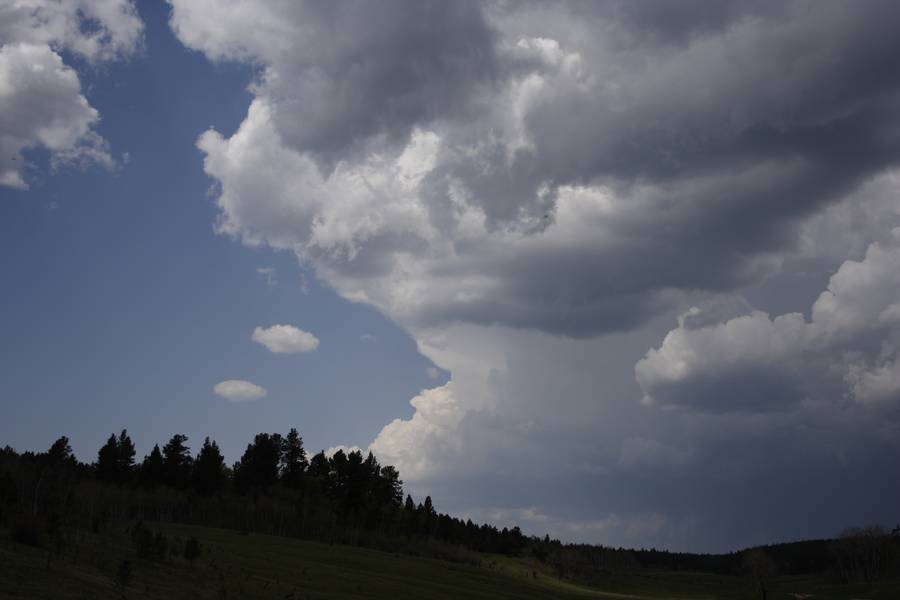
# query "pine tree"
(260, 465)
(124, 458)
(390, 486)
(107, 459)
(177, 462)
(60, 451)
(293, 460)
(209, 469)
(319, 466)
(152, 471)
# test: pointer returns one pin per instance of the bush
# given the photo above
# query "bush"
(26, 529)
(147, 544)
(192, 550)
(159, 546)
(123, 575)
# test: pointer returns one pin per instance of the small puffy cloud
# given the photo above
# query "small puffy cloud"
(432, 372)
(285, 339)
(239, 390)
(368, 337)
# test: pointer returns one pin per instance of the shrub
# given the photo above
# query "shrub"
(123, 575)
(147, 544)
(26, 529)
(192, 550)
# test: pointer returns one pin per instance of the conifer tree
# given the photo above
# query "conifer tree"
(152, 471)
(209, 468)
(60, 451)
(260, 465)
(293, 460)
(124, 458)
(177, 462)
(319, 465)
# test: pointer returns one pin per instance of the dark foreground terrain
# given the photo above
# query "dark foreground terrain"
(230, 564)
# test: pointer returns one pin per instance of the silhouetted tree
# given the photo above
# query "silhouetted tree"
(124, 457)
(260, 464)
(391, 488)
(177, 462)
(318, 466)
(209, 469)
(107, 459)
(115, 460)
(152, 471)
(60, 452)
(293, 460)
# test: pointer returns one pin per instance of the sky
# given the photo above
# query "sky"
(625, 273)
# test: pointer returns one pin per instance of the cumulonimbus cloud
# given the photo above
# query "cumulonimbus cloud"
(285, 339)
(594, 168)
(581, 183)
(239, 390)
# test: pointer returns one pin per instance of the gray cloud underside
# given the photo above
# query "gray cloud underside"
(538, 190)
(716, 133)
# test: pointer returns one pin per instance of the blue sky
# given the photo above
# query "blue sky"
(648, 254)
(122, 307)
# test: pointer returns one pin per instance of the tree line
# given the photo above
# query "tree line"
(347, 498)
(275, 487)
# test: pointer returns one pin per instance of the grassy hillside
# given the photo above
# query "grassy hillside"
(232, 565)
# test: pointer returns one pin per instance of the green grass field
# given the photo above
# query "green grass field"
(237, 566)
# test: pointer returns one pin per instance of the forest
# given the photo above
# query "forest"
(351, 499)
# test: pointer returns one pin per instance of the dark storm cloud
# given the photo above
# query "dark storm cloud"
(718, 147)
(717, 131)
(593, 166)
(375, 70)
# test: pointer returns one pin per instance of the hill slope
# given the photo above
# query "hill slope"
(233, 565)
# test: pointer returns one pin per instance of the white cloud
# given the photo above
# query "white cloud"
(239, 390)
(345, 449)
(848, 349)
(590, 175)
(97, 30)
(368, 338)
(414, 445)
(41, 103)
(285, 339)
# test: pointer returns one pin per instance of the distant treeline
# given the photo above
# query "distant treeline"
(347, 498)
(274, 488)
